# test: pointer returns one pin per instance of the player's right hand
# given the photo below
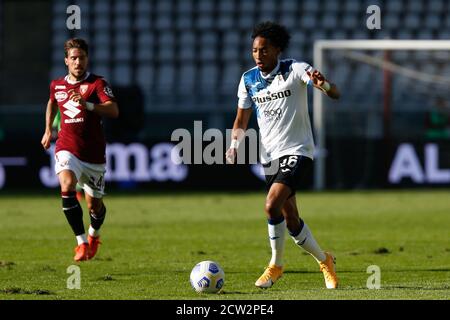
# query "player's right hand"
(230, 155)
(46, 139)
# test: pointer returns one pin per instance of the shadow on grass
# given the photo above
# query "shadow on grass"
(15, 290)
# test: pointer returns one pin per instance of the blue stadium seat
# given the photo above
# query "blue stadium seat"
(58, 71)
(205, 7)
(143, 7)
(436, 6)
(329, 21)
(122, 7)
(289, 19)
(290, 6)
(144, 53)
(432, 21)
(102, 8)
(394, 6)
(351, 22)
(227, 7)
(359, 34)
(353, 6)
(268, 6)
(164, 7)
(412, 21)
(205, 21)
(144, 76)
(184, 21)
(311, 7)
(245, 22)
(166, 78)
(122, 22)
(225, 21)
(122, 53)
(405, 34)
(103, 70)
(163, 21)
(122, 75)
(102, 54)
(308, 21)
(102, 23)
(246, 8)
(185, 7)
(186, 77)
(101, 39)
(209, 74)
(142, 22)
(415, 6)
(332, 7)
(391, 20)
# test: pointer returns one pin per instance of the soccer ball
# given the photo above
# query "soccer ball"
(207, 277)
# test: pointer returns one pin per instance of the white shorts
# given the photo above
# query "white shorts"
(90, 176)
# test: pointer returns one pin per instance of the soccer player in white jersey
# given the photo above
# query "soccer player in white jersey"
(277, 91)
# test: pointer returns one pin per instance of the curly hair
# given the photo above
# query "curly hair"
(274, 32)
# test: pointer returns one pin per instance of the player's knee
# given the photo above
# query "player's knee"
(68, 184)
(272, 209)
(95, 208)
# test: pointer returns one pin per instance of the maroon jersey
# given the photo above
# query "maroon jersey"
(81, 130)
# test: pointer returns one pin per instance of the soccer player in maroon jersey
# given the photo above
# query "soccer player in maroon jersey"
(82, 98)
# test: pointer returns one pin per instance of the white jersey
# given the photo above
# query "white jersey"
(280, 100)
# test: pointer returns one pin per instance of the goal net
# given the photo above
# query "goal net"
(392, 92)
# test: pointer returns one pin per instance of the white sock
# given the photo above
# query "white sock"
(94, 233)
(276, 237)
(306, 240)
(81, 239)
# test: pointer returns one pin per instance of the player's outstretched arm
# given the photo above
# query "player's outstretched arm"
(239, 127)
(50, 114)
(321, 83)
(108, 109)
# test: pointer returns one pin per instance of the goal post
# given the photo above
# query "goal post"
(319, 112)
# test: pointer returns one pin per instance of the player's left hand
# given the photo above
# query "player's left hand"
(77, 97)
(317, 78)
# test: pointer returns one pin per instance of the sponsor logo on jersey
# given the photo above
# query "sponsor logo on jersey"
(77, 120)
(273, 114)
(60, 87)
(72, 109)
(60, 96)
(272, 97)
(84, 88)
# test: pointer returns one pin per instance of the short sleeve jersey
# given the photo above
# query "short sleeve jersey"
(280, 100)
(81, 130)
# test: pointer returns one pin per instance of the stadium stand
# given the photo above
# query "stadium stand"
(188, 55)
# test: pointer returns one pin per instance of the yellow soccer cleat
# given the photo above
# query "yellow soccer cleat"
(329, 271)
(269, 277)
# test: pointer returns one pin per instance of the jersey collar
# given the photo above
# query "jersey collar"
(75, 82)
(273, 72)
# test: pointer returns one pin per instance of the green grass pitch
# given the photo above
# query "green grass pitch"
(151, 242)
